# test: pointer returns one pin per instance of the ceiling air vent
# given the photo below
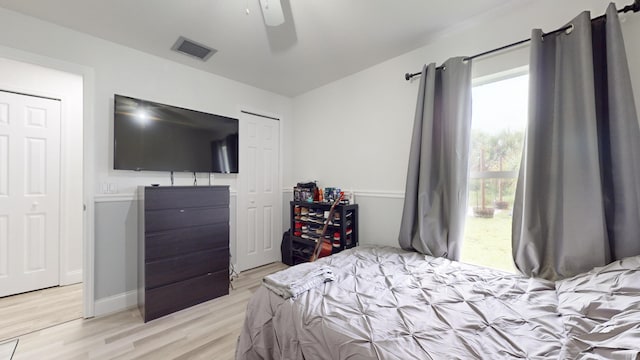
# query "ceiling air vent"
(192, 48)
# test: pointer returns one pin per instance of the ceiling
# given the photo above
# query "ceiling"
(320, 42)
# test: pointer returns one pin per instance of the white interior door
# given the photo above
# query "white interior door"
(29, 193)
(259, 199)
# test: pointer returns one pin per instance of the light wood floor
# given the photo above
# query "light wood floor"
(32, 311)
(205, 331)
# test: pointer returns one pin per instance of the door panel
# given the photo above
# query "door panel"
(36, 117)
(4, 113)
(259, 203)
(251, 170)
(4, 245)
(252, 236)
(4, 165)
(268, 228)
(35, 171)
(29, 193)
(35, 243)
(268, 180)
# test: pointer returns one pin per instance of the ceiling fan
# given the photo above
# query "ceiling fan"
(279, 24)
(272, 12)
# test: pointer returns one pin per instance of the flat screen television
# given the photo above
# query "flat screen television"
(158, 137)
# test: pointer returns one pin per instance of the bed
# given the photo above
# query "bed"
(386, 303)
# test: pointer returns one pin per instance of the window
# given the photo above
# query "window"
(497, 135)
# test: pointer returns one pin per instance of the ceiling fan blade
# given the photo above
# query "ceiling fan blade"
(272, 12)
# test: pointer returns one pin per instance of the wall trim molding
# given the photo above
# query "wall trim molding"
(379, 194)
(100, 198)
(116, 303)
(103, 198)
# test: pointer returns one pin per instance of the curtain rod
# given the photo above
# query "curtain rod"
(635, 7)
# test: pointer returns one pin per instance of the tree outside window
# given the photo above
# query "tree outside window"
(497, 136)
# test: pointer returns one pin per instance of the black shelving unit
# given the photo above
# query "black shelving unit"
(345, 224)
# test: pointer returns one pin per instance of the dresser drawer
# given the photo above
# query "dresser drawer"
(160, 220)
(182, 197)
(183, 241)
(177, 296)
(167, 271)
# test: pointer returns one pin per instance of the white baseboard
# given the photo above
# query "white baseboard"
(116, 303)
(99, 198)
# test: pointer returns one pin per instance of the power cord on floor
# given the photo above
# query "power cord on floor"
(233, 274)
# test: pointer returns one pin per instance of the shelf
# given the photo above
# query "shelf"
(317, 223)
(303, 241)
(346, 227)
(325, 205)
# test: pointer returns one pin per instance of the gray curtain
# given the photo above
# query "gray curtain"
(578, 190)
(436, 193)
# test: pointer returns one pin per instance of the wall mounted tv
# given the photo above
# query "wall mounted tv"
(157, 137)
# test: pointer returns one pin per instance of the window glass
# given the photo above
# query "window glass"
(497, 134)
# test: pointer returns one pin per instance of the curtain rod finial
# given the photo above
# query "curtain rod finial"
(409, 76)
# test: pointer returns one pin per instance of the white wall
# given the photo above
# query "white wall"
(35, 80)
(126, 71)
(355, 132)
(120, 70)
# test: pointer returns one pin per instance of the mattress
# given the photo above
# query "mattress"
(386, 303)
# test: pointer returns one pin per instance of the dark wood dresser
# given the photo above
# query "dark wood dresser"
(183, 248)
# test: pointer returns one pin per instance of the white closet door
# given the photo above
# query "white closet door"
(259, 199)
(29, 193)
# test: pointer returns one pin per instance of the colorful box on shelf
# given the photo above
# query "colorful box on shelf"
(310, 192)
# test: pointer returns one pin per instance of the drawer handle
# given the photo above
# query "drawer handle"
(181, 210)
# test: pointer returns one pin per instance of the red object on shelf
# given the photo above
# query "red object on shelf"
(336, 239)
